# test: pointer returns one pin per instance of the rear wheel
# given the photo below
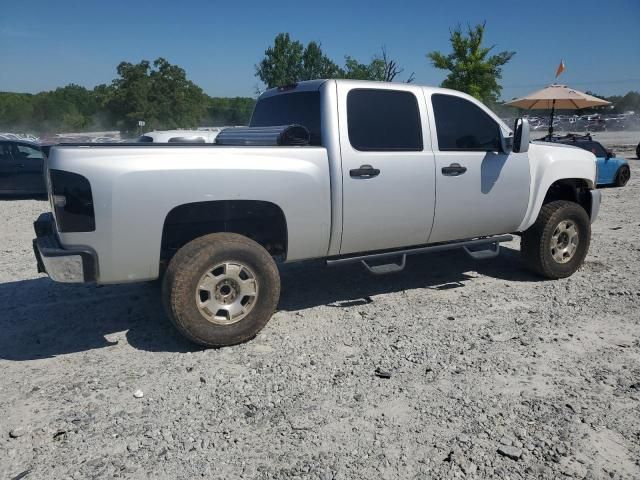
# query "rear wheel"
(221, 289)
(557, 243)
(623, 176)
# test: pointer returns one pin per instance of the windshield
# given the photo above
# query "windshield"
(299, 108)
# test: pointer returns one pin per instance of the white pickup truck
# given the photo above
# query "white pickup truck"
(388, 170)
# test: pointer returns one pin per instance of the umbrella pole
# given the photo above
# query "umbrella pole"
(553, 109)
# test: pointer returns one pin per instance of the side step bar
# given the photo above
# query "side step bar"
(474, 248)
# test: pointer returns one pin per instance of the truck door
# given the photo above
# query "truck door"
(387, 167)
(481, 190)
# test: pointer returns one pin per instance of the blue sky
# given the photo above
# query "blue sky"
(45, 44)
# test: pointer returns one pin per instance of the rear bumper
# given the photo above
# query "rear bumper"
(596, 195)
(62, 265)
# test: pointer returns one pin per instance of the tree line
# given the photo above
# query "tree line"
(158, 93)
(161, 94)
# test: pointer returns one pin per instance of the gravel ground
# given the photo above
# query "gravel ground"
(493, 373)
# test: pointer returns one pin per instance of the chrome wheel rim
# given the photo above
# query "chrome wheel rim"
(226, 293)
(564, 241)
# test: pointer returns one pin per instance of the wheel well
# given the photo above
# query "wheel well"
(263, 222)
(572, 189)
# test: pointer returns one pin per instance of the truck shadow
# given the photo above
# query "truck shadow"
(304, 286)
(42, 319)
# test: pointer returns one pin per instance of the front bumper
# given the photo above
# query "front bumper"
(62, 265)
(596, 195)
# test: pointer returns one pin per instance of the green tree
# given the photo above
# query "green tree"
(471, 68)
(129, 97)
(355, 70)
(289, 61)
(381, 68)
(229, 111)
(178, 102)
(282, 63)
(316, 64)
(16, 111)
(68, 108)
(160, 94)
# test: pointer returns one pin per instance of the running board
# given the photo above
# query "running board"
(386, 267)
(491, 249)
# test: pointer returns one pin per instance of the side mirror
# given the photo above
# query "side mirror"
(610, 154)
(521, 136)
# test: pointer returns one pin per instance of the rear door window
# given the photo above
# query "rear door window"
(383, 120)
(463, 126)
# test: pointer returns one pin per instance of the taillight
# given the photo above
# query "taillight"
(72, 202)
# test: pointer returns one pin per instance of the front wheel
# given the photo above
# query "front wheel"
(557, 243)
(623, 176)
(221, 289)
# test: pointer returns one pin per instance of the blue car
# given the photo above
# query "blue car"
(612, 171)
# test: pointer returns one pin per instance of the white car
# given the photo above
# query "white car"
(180, 136)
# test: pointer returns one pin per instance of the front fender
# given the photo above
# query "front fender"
(549, 163)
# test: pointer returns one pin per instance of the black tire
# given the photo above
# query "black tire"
(638, 151)
(622, 176)
(185, 272)
(536, 242)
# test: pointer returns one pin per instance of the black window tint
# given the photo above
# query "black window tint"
(383, 120)
(5, 152)
(297, 108)
(28, 152)
(461, 125)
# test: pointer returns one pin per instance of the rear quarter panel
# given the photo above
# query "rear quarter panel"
(134, 188)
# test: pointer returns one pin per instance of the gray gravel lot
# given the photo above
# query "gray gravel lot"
(494, 373)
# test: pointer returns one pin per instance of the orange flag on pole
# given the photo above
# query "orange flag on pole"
(560, 68)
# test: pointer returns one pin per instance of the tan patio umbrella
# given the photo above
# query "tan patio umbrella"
(557, 96)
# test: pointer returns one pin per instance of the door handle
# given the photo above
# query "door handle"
(20, 165)
(453, 170)
(365, 171)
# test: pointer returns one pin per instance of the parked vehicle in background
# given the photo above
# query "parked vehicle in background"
(180, 136)
(21, 165)
(587, 123)
(387, 170)
(612, 171)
